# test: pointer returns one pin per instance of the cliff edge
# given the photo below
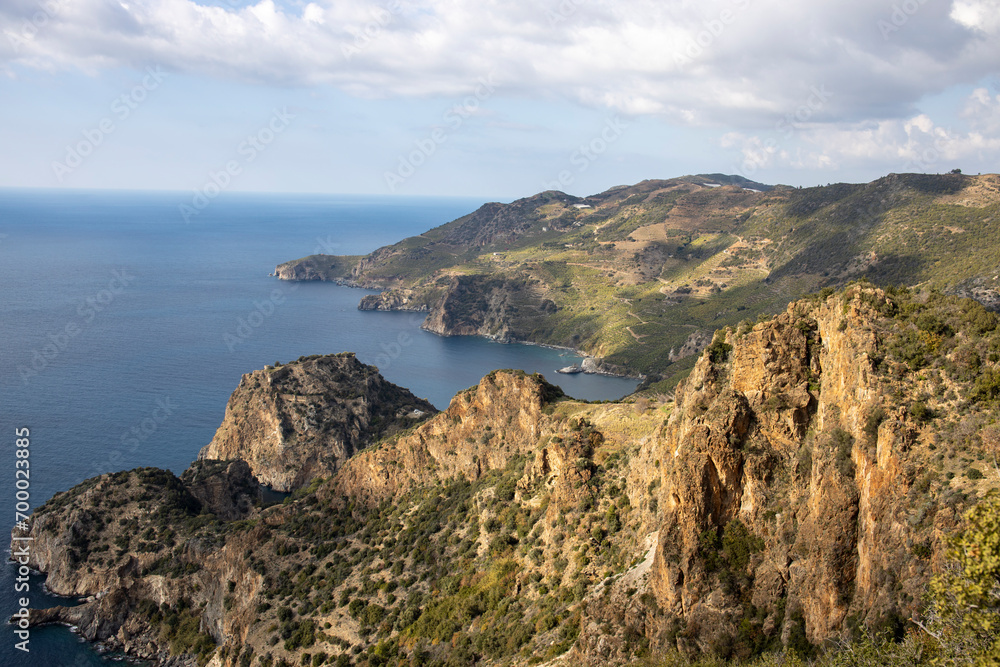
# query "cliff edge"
(796, 492)
(304, 419)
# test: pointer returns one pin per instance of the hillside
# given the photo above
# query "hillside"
(796, 491)
(641, 275)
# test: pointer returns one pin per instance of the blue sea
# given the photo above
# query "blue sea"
(124, 329)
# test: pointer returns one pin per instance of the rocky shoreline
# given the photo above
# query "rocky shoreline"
(411, 301)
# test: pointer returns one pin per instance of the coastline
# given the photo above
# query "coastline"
(599, 362)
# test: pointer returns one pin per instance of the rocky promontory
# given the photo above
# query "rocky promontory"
(304, 419)
(334, 268)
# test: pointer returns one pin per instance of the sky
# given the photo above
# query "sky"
(490, 98)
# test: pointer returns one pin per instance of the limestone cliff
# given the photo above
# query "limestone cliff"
(304, 419)
(796, 489)
(797, 498)
(482, 429)
(227, 489)
(476, 306)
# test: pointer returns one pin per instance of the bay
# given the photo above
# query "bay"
(124, 329)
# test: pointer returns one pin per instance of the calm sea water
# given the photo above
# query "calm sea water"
(123, 330)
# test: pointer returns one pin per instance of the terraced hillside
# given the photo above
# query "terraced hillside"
(640, 276)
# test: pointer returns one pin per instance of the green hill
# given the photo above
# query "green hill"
(640, 275)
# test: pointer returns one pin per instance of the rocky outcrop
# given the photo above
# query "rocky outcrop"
(98, 514)
(792, 492)
(771, 446)
(227, 489)
(110, 621)
(475, 306)
(482, 429)
(406, 300)
(693, 344)
(305, 419)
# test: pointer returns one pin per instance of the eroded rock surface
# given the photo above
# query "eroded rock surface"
(305, 419)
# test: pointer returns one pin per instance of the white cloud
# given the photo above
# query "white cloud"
(740, 63)
(981, 15)
(902, 145)
(982, 111)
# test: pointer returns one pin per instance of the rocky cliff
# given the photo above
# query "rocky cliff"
(304, 419)
(483, 429)
(801, 493)
(796, 490)
(397, 300)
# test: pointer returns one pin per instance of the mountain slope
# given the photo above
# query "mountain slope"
(641, 275)
(797, 490)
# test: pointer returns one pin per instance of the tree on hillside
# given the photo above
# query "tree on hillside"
(964, 614)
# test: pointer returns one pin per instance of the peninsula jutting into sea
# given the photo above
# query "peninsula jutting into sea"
(791, 498)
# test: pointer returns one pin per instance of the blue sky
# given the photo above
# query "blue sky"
(494, 99)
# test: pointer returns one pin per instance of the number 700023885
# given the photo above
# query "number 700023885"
(22, 477)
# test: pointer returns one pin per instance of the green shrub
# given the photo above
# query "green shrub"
(718, 351)
(738, 544)
(986, 389)
(708, 547)
(920, 412)
(873, 421)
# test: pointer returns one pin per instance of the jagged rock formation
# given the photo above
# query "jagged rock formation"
(227, 489)
(483, 429)
(791, 441)
(799, 486)
(304, 419)
(835, 539)
(478, 306)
